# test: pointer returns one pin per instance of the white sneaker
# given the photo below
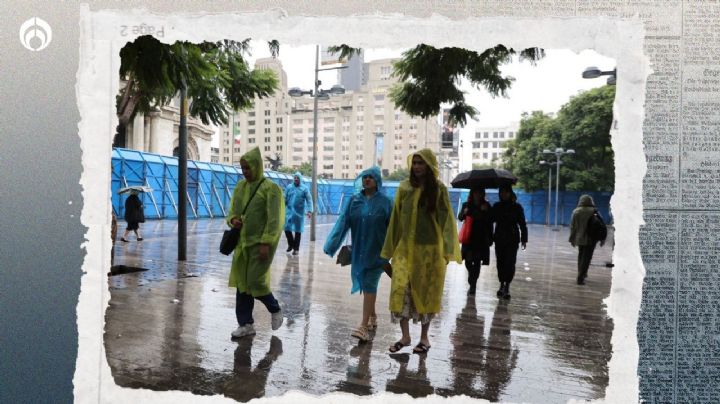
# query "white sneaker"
(276, 320)
(243, 331)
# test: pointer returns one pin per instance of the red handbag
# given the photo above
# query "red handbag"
(464, 236)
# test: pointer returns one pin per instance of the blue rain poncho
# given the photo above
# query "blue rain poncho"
(367, 219)
(298, 202)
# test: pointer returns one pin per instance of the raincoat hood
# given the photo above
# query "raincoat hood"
(374, 172)
(254, 160)
(299, 176)
(586, 200)
(429, 157)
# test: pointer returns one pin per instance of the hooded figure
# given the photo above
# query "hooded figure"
(366, 215)
(510, 232)
(578, 235)
(421, 240)
(298, 202)
(261, 224)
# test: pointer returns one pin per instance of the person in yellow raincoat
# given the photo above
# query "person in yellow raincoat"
(421, 240)
(261, 224)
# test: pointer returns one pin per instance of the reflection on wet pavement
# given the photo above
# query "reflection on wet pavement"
(168, 328)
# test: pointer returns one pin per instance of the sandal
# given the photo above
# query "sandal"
(398, 346)
(361, 333)
(372, 323)
(421, 348)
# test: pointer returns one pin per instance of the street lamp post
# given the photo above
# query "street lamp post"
(549, 202)
(559, 152)
(593, 72)
(317, 93)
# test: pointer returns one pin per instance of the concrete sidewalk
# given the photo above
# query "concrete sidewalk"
(169, 327)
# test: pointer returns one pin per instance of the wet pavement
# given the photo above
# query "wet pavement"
(168, 328)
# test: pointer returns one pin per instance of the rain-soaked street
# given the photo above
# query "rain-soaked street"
(168, 328)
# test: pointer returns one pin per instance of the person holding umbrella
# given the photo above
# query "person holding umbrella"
(476, 251)
(421, 240)
(134, 215)
(510, 231)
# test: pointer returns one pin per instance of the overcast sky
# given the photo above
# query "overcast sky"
(546, 86)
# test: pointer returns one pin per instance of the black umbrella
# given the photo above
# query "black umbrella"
(487, 178)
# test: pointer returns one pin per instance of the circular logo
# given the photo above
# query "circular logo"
(35, 34)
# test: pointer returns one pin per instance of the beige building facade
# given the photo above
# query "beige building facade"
(355, 130)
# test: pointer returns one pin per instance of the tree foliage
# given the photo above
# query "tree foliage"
(216, 75)
(582, 124)
(398, 175)
(304, 168)
(430, 77)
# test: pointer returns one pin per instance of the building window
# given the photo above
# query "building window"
(251, 123)
(511, 134)
(251, 140)
(251, 131)
(361, 108)
(267, 139)
(279, 129)
(267, 130)
(267, 122)
(251, 113)
(279, 120)
(329, 120)
(297, 130)
(494, 155)
(279, 138)
(328, 148)
(267, 148)
(329, 139)
(329, 129)
(485, 135)
(485, 156)
(226, 159)
(236, 149)
(267, 113)
(297, 121)
(226, 150)
(297, 149)
(502, 135)
(278, 147)
(495, 135)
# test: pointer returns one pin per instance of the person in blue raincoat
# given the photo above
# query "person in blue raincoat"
(298, 203)
(367, 216)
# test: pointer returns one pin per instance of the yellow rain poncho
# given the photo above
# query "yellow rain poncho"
(420, 244)
(262, 224)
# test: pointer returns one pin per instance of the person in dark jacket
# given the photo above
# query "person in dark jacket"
(477, 251)
(133, 216)
(579, 237)
(510, 231)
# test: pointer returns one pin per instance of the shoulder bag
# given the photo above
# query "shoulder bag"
(231, 237)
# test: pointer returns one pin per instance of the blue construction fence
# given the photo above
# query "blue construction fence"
(210, 187)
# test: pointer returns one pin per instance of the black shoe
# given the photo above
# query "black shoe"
(295, 252)
(288, 249)
(580, 280)
(123, 239)
(501, 291)
(471, 291)
(506, 292)
(140, 239)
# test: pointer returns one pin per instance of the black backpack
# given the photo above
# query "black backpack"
(596, 227)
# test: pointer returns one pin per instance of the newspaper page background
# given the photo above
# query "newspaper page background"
(677, 330)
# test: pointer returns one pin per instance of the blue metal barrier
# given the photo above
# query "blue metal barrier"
(210, 188)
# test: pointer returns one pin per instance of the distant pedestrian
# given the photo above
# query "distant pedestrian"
(134, 215)
(510, 232)
(366, 216)
(298, 202)
(261, 226)
(421, 240)
(579, 236)
(476, 252)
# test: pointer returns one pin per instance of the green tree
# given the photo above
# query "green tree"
(305, 169)
(216, 75)
(429, 77)
(538, 131)
(398, 175)
(582, 124)
(585, 124)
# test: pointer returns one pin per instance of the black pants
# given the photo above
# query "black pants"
(293, 242)
(585, 253)
(244, 304)
(506, 255)
(473, 262)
